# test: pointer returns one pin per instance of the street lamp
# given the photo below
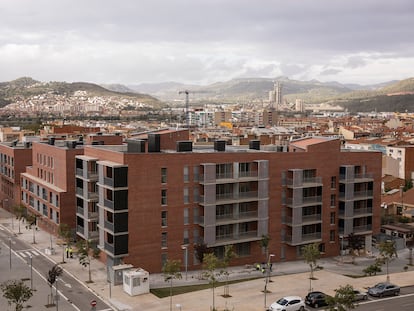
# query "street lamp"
(342, 247)
(267, 279)
(57, 295)
(10, 251)
(31, 272)
(185, 248)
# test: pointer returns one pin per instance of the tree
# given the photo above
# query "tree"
(229, 254)
(211, 263)
(343, 300)
(264, 244)
(16, 292)
(372, 269)
(20, 211)
(171, 271)
(87, 248)
(65, 233)
(387, 251)
(354, 244)
(311, 254)
(201, 249)
(52, 276)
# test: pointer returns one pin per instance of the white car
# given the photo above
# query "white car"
(288, 303)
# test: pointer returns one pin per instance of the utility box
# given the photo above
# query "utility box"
(136, 282)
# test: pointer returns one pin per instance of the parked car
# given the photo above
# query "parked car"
(360, 295)
(316, 299)
(288, 303)
(384, 289)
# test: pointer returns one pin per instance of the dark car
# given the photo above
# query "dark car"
(384, 289)
(316, 299)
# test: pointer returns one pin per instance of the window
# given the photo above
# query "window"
(224, 170)
(243, 249)
(196, 194)
(333, 220)
(186, 239)
(185, 172)
(164, 239)
(164, 219)
(164, 197)
(333, 200)
(333, 182)
(195, 173)
(163, 175)
(332, 236)
(196, 218)
(186, 213)
(186, 196)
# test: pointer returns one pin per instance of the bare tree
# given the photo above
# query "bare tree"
(171, 271)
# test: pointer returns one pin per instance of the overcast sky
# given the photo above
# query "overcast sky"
(206, 41)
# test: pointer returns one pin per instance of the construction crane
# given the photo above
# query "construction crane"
(187, 112)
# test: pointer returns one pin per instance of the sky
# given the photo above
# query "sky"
(206, 41)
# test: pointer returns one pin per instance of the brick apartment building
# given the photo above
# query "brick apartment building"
(48, 188)
(153, 199)
(14, 158)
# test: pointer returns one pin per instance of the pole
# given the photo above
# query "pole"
(267, 279)
(57, 296)
(10, 251)
(342, 248)
(31, 272)
(185, 248)
(110, 290)
(34, 239)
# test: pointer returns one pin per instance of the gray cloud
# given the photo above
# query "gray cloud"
(204, 41)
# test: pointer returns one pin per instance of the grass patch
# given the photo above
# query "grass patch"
(178, 290)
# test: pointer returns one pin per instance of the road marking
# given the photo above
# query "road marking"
(25, 254)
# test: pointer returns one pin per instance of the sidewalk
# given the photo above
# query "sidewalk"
(287, 278)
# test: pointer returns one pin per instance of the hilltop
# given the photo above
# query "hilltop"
(25, 87)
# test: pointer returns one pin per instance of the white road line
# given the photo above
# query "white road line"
(22, 254)
(35, 253)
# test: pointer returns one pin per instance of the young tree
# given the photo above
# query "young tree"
(229, 254)
(211, 263)
(171, 271)
(16, 292)
(343, 300)
(387, 251)
(264, 244)
(86, 251)
(311, 254)
(65, 233)
(52, 275)
(372, 269)
(20, 211)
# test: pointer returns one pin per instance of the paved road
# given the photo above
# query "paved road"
(23, 262)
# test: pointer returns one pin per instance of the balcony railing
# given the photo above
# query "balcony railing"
(239, 236)
(236, 196)
(342, 177)
(305, 200)
(312, 218)
(79, 210)
(109, 225)
(224, 176)
(243, 174)
(109, 247)
(79, 172)
(305, 182)
(109, 181)
(363, 228)
(79, 191)
(362, 211)
(92, 215)
(80, 230)
(311, 236)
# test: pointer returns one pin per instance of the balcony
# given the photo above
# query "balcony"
(92, 175)
(79, 172)
(357, 178)
(236, 196)
(241, 236)
(79, 210)
(109, 247)
(301, 201)
(92, 196)
(306, 182)
(92, 215)
(362, 211)
(109, 225)
(302, 239)
(224, 176)
(79, 191)
(363, 228)
(357, 195)
(248, 174)
(312, 218)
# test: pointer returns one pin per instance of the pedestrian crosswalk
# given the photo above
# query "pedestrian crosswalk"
(28, 253)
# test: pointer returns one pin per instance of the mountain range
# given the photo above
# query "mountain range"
(387, 96)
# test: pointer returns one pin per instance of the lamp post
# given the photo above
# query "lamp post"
(57, 296)
(267, 279)
(342, 248)
(31, 272)
(10, 251)
(185, 248)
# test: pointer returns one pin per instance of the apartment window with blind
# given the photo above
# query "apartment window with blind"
(164, 197)
(164, 175)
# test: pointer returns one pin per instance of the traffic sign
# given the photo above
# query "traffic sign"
(93, 303)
